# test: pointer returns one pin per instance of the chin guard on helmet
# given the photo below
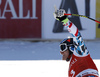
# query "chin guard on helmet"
(69, 57)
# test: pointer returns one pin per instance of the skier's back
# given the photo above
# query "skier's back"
(74, 49)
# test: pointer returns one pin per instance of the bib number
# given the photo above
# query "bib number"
(73, 73)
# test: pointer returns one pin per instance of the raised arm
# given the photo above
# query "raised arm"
(72, 28)
(59, 15)
(79, 45)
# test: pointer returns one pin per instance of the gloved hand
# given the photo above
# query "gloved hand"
(59, 15)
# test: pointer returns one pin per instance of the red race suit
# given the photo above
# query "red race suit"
(81, 64)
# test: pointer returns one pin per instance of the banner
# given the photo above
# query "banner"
(71, 4)
(20, 18)
(98, 18)
(53, 29)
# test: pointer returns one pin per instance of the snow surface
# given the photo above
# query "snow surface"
(38, 59)
(36, 68)
(25, 50)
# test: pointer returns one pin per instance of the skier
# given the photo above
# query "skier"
(74, 50)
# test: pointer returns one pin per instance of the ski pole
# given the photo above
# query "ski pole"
(83, 16)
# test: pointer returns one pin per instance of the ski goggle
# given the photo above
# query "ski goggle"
(63, 47)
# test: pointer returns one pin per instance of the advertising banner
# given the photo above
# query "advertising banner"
(20, 18)
(53, 29)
